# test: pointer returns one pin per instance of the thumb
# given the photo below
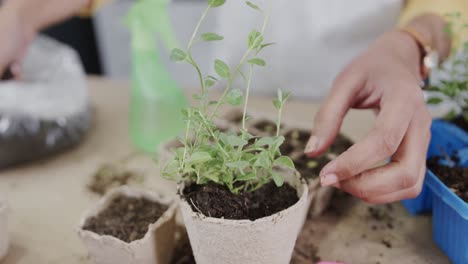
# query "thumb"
(328, 120)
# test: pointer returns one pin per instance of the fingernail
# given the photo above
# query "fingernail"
(329, 179)
(312, 145)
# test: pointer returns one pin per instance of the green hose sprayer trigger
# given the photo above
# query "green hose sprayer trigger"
(156, 99)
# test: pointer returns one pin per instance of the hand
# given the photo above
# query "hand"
(386, 78)
(15, 42)
(21, 19)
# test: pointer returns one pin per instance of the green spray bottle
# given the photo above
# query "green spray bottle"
(156, 99)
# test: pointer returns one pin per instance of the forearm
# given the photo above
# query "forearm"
(35, 15)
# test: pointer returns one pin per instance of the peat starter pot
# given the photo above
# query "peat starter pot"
(130, 226)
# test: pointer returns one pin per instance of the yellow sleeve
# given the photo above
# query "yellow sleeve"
(442, 7)
(92, 7)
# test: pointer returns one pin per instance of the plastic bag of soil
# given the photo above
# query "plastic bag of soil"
(47, 111)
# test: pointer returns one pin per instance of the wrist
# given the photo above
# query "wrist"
(404, 48)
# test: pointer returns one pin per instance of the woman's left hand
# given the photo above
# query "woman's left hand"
(386, 78)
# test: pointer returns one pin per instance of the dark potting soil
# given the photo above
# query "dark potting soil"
(310, 167)
(7, 75)
(456, 178)
(126, 218)
(217, 201)
(461, 122)
(266, 126)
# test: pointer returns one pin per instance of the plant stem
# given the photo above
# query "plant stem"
(247, 92)
(190, 58)
(205, 122)
(278, 123)
(242, 61)
(187, 130)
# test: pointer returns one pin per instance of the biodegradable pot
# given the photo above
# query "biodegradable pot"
(4, 237)
(268, 240)
(156, 247)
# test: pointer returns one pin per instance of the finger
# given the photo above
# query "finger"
(399, 195)
(381, 143)
(330, 116)
(405, 170)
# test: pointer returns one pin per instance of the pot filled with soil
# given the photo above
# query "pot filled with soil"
(130, 226)
(255, 227)
(4, 237)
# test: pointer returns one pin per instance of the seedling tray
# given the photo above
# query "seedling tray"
(446, 137)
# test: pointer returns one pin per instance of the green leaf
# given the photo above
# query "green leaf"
(284, 161)
(247, 177)
(236, 141)
(264, 46)
(209, 83)
(212, 176)
(434, 100)
(450, 115)
(278, 179)
(199, 157)
(255, 39)
(242, 164)
(216, 3)
(277, 104)
(211, 37)
(235, 97)
(263, 160)
(222, 69)
(265, 141)
(178, 55)
(285, 97)
(252, 5)
(257, 61)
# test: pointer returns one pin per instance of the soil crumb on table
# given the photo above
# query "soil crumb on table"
(217, 201)
(126, 218)
(110, 176)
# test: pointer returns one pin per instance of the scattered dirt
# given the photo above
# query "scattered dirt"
(126, 218)
(460, 122)
(7, 75)
(214, 200)
(341, 144)
(456, 178)
(310, 167)
(295, 140)
(266, 126)
(110, 176)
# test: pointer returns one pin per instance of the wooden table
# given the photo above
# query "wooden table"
(47, 197)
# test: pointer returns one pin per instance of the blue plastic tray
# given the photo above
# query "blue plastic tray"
(449, 212)
(449, 220)
(449, 138)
